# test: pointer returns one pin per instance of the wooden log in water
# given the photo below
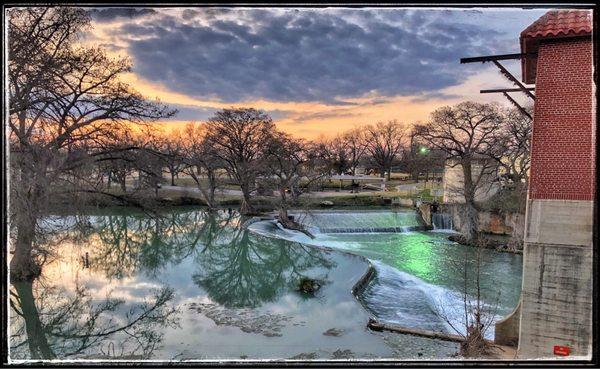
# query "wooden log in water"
(374, 325)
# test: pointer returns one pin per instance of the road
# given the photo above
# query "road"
(229, 192)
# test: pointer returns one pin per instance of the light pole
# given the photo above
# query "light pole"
(423, 150)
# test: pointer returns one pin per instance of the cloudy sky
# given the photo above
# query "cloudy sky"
(316, 71)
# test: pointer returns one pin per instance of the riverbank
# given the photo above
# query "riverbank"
(181, 196)
(487, 241)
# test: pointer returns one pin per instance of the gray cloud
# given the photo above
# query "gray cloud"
(110, 14)
(191, 112)
(200, 113)
(305, 55)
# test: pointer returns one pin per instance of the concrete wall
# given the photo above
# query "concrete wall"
(563, 222)
(557, 279)
(506, 331)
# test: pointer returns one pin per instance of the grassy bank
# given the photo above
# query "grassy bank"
(189, 196)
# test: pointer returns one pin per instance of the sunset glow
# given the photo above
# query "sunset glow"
(317, 72)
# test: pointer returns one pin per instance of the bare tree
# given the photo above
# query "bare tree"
(513, 147)
(356, 145)
(473, 317)
(202, 163)
(65, 103)
(466, 133)
(171, 147)
(384, 144)
(238, 137)
(293, 167)
(336, 153)
(418, 158)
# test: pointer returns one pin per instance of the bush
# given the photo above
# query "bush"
(504, 201)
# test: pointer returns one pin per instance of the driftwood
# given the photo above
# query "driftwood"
(374, 325)
(495, 350)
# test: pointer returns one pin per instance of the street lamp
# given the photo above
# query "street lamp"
(423, 151)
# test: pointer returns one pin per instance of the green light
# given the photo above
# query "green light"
(423, 150)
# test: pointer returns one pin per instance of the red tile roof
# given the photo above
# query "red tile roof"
(560, 23)
(554, 24)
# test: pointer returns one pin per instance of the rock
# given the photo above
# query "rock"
(333, 332)
(339, 354)
(326, 203)
(305, 356)
(309, 286)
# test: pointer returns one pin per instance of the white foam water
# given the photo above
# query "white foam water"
(442, 222)
(401, 298)
(360, 221)
(394, 296)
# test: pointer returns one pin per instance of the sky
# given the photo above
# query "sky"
(317, 72)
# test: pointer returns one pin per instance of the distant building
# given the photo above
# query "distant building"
(453, 180)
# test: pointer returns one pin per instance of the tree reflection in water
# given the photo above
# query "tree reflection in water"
(246, 270)
(234, 267)
(47, 323)
(138, 242)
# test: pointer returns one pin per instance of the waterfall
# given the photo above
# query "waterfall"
(401, 298)
(442, 221)
(393, 296)
(360, 221)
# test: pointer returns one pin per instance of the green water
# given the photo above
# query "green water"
(421, 276)
(439, 267)
(189, 285)
(432, 258)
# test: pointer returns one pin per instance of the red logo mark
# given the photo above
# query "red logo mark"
(562, 350)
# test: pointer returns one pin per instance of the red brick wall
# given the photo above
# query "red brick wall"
(563, 145)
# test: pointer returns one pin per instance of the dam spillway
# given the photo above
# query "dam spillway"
(360, 221)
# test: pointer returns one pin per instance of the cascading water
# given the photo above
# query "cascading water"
(441, 221)
(360, 221)
(396, 294)
(400, 298)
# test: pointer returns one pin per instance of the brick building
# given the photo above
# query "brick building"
(556, 301)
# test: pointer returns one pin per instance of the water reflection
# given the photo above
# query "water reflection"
(49, 323)
(69, 312)
(129, 243)
(246, 270)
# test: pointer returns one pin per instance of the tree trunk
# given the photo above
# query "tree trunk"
(172, 179)
(36, 337)
(210, 199)
(246, 207)
(283, 215)
(23, 267)
(471, 227)
(283, 207)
